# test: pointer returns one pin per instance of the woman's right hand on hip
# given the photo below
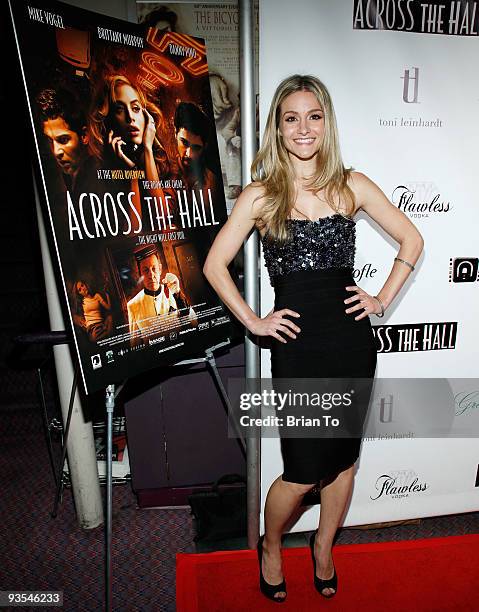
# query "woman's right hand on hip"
(275, 322)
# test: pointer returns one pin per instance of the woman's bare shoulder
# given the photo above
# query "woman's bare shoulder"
(252, 197)
(360, 185)
(255, 190)
(357, 180)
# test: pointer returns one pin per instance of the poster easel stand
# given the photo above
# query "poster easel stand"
(110, 406)
(211, 361)
(59, 478)
(111, 394)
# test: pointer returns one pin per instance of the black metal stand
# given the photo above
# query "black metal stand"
(47, 426)
(111, 394)
(50, 338)
(59, 478)
(211, 361)
(110, 406)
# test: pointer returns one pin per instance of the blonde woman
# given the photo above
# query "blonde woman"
(124, 133)
(303, 202)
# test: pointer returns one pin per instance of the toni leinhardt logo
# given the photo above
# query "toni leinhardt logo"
(410, 85)
(415, 337)
(386, 409)
(367, 271)
(463, 269)
(398, 484)
(410, 95)
(419, 199)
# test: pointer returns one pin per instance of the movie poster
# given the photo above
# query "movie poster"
(218, 24)
(125, 132)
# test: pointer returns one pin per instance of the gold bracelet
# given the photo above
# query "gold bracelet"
(380, 304)
(404, 262)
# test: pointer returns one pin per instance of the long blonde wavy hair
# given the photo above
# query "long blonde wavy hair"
(101, 111)
(273, 169)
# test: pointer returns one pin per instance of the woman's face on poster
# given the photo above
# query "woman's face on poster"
(128, 114)
(82, 289)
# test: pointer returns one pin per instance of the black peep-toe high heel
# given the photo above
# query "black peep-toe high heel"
(319, 583)
(269, 590)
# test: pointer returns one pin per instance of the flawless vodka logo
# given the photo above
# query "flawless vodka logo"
(397, 485)
(410, 85)
(463, 269)
(419, 199)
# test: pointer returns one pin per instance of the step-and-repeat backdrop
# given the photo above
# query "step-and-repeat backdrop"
(404, 81)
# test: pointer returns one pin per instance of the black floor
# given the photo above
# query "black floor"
(41, 553)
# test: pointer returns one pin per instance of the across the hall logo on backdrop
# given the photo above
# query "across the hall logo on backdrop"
(415, 337)
(457, 18)
(463, 269)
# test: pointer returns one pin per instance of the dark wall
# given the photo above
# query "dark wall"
(22, 296)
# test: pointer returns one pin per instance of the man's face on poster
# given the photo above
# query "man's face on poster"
(190, 148)
(66, 145)
(150, 271)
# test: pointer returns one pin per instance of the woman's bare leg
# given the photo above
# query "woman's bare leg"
(334, 497)
(282, 499)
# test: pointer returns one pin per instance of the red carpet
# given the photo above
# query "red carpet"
(432, 574)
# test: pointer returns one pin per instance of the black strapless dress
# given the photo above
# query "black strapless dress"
(309, 274)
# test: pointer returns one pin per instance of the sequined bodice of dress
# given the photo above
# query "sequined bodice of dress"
(329, 242)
